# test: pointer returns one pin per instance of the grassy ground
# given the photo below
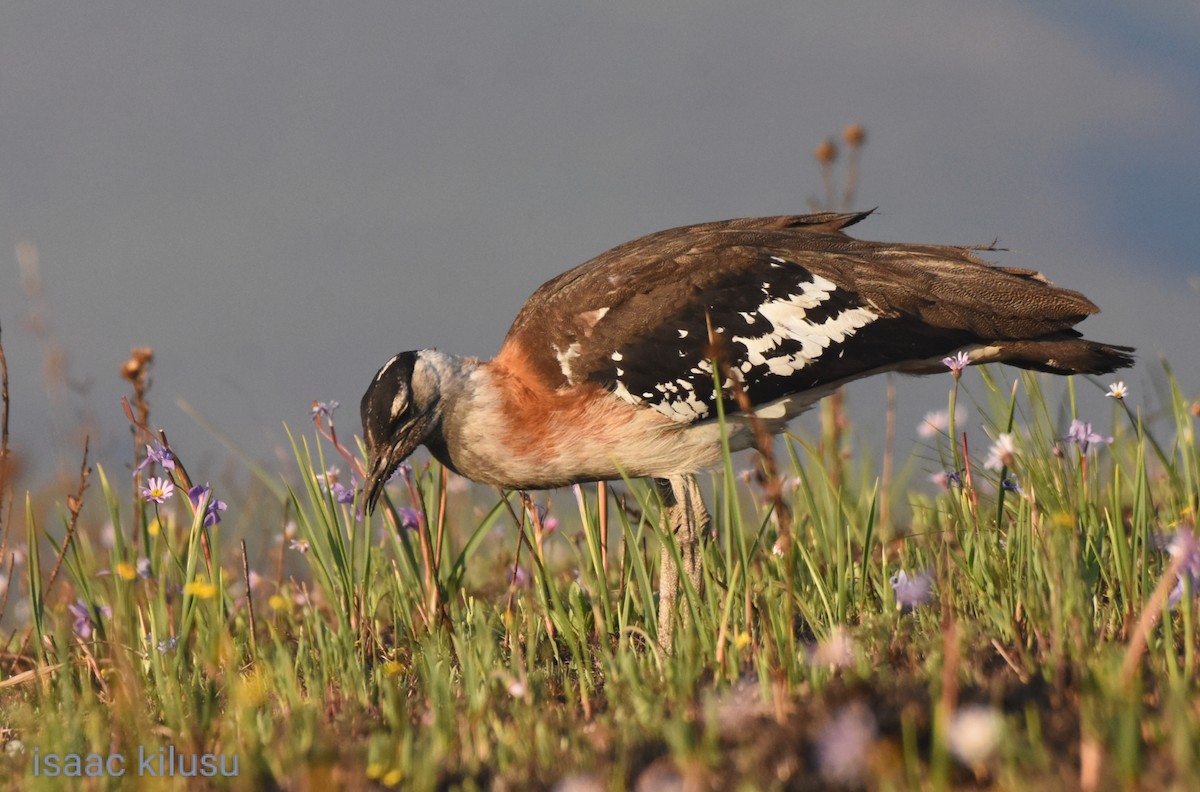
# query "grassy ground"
(1043, 634)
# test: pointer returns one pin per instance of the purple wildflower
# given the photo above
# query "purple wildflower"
(843, 744)
(913, 591)
(158, 454)
(167, 645)
(212, 510)
(1185, 545)
(410, 518)
(956, 363)
(329, 477)
(325, 410)
(143, 568)
(947, 479)
(519, 577)
(549, 522)
(86, 617)
(342, 493)
(158, 490)
(1082, 435)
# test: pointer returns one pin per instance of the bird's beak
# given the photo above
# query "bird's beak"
(384, 462)
(376, 478)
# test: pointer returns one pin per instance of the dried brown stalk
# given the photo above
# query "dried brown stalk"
(249, 602)
(3, 424)
(74, 506)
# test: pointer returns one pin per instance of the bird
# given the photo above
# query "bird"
(614, 368)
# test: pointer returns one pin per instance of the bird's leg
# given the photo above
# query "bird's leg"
(687, 519)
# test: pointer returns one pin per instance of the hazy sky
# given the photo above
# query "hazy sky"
(277, 196)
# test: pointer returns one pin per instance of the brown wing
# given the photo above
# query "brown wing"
(796, 305)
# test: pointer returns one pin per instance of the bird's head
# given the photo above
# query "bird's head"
(399, 410)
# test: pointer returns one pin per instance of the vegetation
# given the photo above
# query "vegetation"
(1032, 623)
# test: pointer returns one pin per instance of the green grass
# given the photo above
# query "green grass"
(406, 658)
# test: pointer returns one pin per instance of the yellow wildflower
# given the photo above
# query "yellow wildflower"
(201, 589)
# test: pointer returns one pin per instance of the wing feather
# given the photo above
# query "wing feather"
(794, 303)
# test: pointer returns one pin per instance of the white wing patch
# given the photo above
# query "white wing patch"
(565, 357)
(788, 319)
(803, 317)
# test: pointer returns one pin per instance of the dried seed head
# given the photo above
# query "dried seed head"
(854, 135)
(826, 151)
(140, 359)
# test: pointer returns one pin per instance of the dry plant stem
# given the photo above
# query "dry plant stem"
(6, 522)
(520, 522)
(330, 434)
(602, 516)
(3, 424)
(249, 603)
(889, 443)
(54, 358)
(827, 180)
(136, 370)
(967, 481)
(851, 177)
(527, 507)
(949, 698)
(430, 563)
(1148, 619)
(773, 488)
(74, 506)
(833, 424)
(1021, 675)
(8, 574)
(441, 520)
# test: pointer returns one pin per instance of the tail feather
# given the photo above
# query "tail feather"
(1065, 355)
